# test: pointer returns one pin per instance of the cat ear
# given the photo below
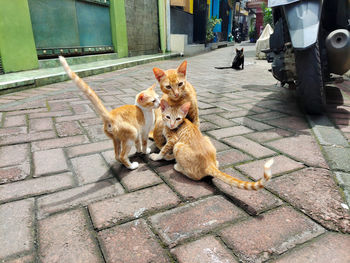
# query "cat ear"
(164, 104)
(242, 49)
(185, 107)
(236, 49)
(182, 68)
(158, 73)
(141, 97)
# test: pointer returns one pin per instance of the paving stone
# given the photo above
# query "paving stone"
(88, 122)
(78, 196)
(49, 161)
(323, 203)
(331, 247)
(234, 114)
(218, 120)
(204, 250)
(303, 148)
(14, 173)
(24, 138)
(231, 131)
(17, 222)
(210, 111)
(66, 237)
(207, 126)
(132, 205)
(186, 187)
(43, 124)
(75, 117)
(34, 187)
(68, 129)
(292, 123)
(273, 233)
(338, 158)
(23, 112)
(268, 116)
(14, 154)
(219, 146)
(59, 143)
(194, 219)
(49, 114)
(249, 146)
(96, 133)
(252, 124)
(12, 130)
(231, 157)
(268, 135)
(132, 242)
(89, 148)
(22, 259)
(253, 202)
(281, 165)
(89, 169)
(12, 121)
(81, 108)
(136, 179)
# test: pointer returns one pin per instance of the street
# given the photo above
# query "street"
(64, 198)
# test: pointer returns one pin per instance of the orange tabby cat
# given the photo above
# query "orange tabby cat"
(194, 153)
(176, 91)
(126, 125)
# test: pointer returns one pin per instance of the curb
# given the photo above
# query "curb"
(335, 149)
(41, 77)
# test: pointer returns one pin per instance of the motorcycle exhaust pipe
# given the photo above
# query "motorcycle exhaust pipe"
(338, 50)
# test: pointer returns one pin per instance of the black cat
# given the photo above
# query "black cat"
(237, 62)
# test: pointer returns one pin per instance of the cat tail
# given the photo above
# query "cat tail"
(222, 67)
(214, 171)
(92, 96)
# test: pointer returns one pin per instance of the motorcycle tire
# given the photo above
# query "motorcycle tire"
(310, 85)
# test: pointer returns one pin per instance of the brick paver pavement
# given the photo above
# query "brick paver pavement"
(63, 197)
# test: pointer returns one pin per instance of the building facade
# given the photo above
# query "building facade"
(36, 29)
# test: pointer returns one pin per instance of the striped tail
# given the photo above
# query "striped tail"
(92, 96)
(214, 171)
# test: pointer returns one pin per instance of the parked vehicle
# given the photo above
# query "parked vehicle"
(237, 35)
(311, 40)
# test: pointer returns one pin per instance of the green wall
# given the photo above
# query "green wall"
(118, 26)
(162, 27)
(16, 37)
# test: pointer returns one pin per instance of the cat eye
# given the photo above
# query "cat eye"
(154, 100)
(168, 86)
(180, 84)
(168, 117)
(178, 119)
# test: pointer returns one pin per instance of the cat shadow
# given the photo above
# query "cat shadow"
(115, 170)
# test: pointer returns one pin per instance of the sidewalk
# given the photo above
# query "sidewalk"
(63, 197)
(50, 71)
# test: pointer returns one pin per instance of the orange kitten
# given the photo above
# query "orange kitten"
(176, 91)
(194, 153)
(126, 125)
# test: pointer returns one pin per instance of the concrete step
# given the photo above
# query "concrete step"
(54, 62)
(34, 78)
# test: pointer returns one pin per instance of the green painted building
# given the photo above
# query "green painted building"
(31, 30)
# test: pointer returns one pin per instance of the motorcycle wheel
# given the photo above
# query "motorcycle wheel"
(310, 85)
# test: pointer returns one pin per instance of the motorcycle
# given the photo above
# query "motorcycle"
(311, 40)
(237, 35)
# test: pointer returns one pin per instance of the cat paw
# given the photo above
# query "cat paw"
(155, 157)
(133, 165)
(148, 150)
